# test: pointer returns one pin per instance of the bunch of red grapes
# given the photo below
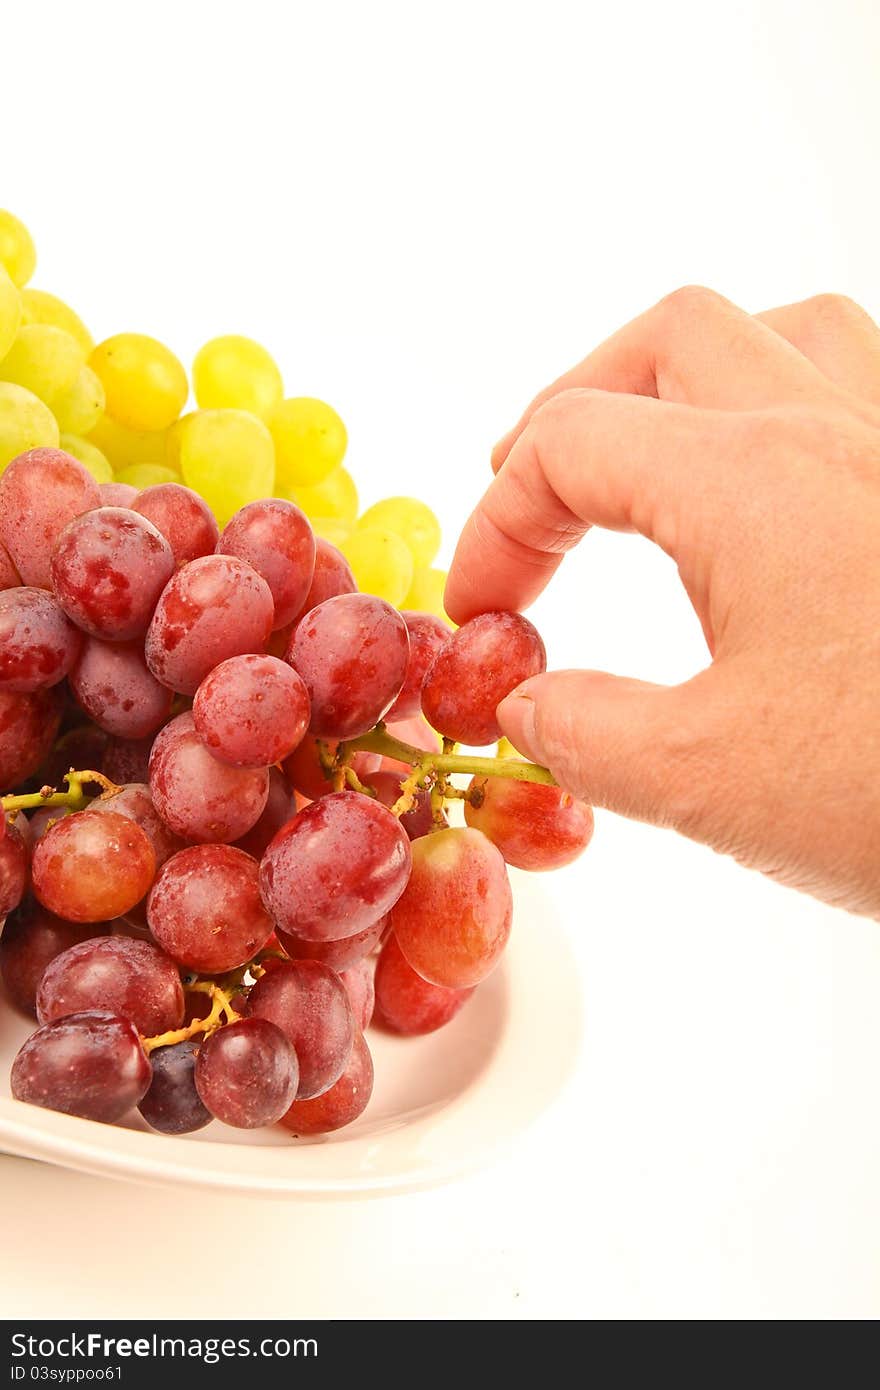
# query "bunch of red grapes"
(204, 927)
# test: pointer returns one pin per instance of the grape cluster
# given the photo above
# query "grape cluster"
(255, 853)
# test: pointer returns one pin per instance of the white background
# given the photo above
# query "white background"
(426, 212)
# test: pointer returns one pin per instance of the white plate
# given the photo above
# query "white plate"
(442, 1104)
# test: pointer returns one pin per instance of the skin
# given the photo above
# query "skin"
(748, 448)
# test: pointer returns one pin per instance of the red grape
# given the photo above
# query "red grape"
(205, 909)
(480, 664)
(213, 608)
(344, 1101)
(200, 798)
(135, 802)
(251, 711)
(337, 867)
(14, 863)
(127, 760)
(427, 636)
(40, 492)
(247, 1073)
(535, 827)
(113, 685)
(133, 979)
(332, 576)
(89, 1064)
(31, 939)
(453, 920)
(108, 569)
(184, 518)
(405, 1002)
(303, 768)
(275, 537)
(9, 575)
(38, 642)
(92, 868)
(117, 495)
(309, 1003)
(419, 820)
(28, 725)
(339, 955)
(279, 809)
(172, 1104)
(361, 991)
(352, 653)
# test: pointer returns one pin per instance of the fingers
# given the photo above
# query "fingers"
(622, 744)
(593, 458)
(837, 336)
(694, 347)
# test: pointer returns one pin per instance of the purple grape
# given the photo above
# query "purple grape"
(172, 1105)
(127, 977)
(14, 863)
(89, 1064)
(247, 1073)
(31, 939)
(309, 1003)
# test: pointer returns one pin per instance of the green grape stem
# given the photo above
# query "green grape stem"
(432, 769)
(74, 798)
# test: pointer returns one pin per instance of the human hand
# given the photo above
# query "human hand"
(749, 449)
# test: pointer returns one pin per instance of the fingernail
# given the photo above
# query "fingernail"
(516, 715)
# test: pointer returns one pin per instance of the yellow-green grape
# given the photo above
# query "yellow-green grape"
(335, 499)
(381, 563)
(141, 475)
(39, 306)
(42, 359)
(412, 521)
(26, 422)
(506, 749)
(227, 456)
(173, 438)
(310, 441)
(79, 409)
(124, 447)
(17, 250)
(89, 456)
(10, 312)
(426, 593)
(235, 373)
(336, 532)
(145, 384)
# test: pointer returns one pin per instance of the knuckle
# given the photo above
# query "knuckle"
(690, 302)
(831, 310)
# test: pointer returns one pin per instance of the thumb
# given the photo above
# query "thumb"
(623, 744)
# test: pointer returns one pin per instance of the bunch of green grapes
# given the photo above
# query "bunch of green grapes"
(119, 406)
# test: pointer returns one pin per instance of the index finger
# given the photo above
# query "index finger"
(589, 458)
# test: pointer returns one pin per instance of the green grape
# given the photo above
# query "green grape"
(125, 447)
(310, 441)
(79, 409)
(227, 456)
(426, 593)
(334, 499)
(145, 384)
(411, 520)
(17, 251)
(25, 422)
(381, 562)
(89, 456)
(173, 437)
(235, 373)
(336, 532)
(43, 359)
(39, 306)
(10, 312)
(141, 475)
